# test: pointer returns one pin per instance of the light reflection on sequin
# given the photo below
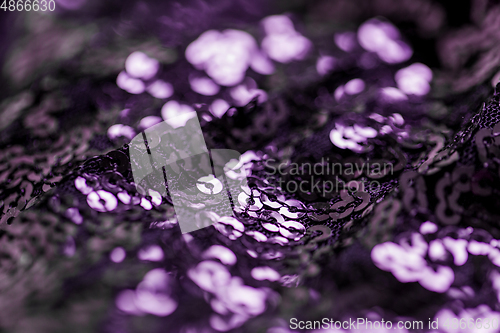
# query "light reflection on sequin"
(287, 47)
(102, 201)
(478, 248)
(292, 230)
(407, 265)
(149, 121)
(392, 94)
(118, 254)
(428, 228)
(124, 197)
(242, 95)
(270, 227)
(273, 216)
(458, 248)
(230, 227)
(364, 132)
(209, 185)
(160, 89)
(246, 189)
(414, 79)
(339, 92)
(261, 64)
(119, 130)
(176, 114)
(146, 204)
(219, 107)
(437, 250)
(153, 303)
(125, 302)
(337, 138)
(272, 203)
(151, 253)
(325, 64)
(204, 86)
(278, 240)
(245, 201)
(139, 65)
(74, 215)
(151, 296)
(231, 297)
(258, 236)
(377, 117)
(289, 212)
(210, 275)
(277, 24)
(265, 273)
(355, 86)
(241, 168)
(81, 185)
(225, 56)
(386, 129)
(351, 133)
(155, 197)
(438, 281)
(397, 119)
(494, 256)
(129, 84)
(225, 255)
(283, 43)
(418, 244)
(384, 39)
(346, 41)
(252, 253)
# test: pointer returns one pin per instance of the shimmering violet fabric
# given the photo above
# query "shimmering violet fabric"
(238, 171)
